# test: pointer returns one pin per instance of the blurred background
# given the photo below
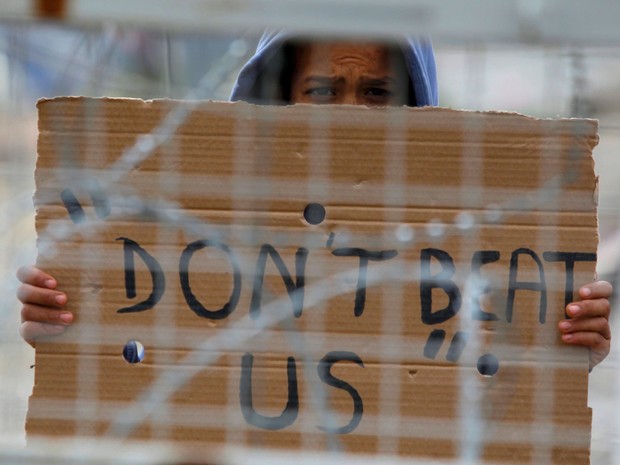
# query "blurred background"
(524, 57)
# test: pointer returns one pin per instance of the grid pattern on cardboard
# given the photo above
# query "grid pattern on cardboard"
(216, 186)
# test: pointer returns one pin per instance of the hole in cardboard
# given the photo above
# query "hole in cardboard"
(488, 365)
(314, 213)
(133, 352)
(412, 373)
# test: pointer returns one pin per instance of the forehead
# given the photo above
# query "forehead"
(325, 56)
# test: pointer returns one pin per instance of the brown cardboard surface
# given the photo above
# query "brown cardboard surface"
(419, 203)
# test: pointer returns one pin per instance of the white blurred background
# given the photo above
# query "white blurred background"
(540, 69)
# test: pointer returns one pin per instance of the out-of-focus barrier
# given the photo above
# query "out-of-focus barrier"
(100, 452)
(539, 57)
(452, 21)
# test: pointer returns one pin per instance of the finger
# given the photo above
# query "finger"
(596, 290)
(31, 330)
(45, 315)
(589, 308)
(36, 277)
(598, 325)
(594, 341)
(598, 345)
(29, 294)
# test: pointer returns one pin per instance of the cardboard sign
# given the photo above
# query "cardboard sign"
(316, 277)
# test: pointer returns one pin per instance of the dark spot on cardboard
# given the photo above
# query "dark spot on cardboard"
(133, 352)
(488, 365)
(314, 213)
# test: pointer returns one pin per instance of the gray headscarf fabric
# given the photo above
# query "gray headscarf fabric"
(417, 52)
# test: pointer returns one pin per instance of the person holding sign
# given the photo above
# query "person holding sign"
(289, 71)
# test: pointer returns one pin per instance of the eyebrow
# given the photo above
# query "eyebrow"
(379, 81)
(324, 79)
(372, 81)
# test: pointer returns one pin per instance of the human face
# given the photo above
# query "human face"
(348, 73)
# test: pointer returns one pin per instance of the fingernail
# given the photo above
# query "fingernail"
(567, 337)
(50, 284)
(565, 325)
(573, 310)
(55, 328)
(66, 317)
(586, 292)
(61, 299)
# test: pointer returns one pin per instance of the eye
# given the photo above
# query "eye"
(321, 91)
(320, 94)
(378, 92)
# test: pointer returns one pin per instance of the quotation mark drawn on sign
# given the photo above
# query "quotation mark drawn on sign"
(330, 239)
(74, 208)
(435, 341)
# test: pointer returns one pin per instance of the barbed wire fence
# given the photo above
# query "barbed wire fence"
(96, 69)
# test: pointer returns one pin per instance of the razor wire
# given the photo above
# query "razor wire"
(164, 387)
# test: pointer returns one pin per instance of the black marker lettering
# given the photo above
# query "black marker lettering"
(190, 298)
(100, 199)
(434, 343)
(330, 239)
(72, 204)
(482, 257)
(295, 289)
(441, 280)
(514, 284)
(157, 276)
(457, 346)
(364, 257)
(569, 258)
(324, 371)
(289, 414)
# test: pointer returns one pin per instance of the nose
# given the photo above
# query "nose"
(350, 97)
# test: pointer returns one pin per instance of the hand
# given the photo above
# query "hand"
(41, 312)
(589, 323)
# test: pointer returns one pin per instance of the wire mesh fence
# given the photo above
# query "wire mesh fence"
(543, 80)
